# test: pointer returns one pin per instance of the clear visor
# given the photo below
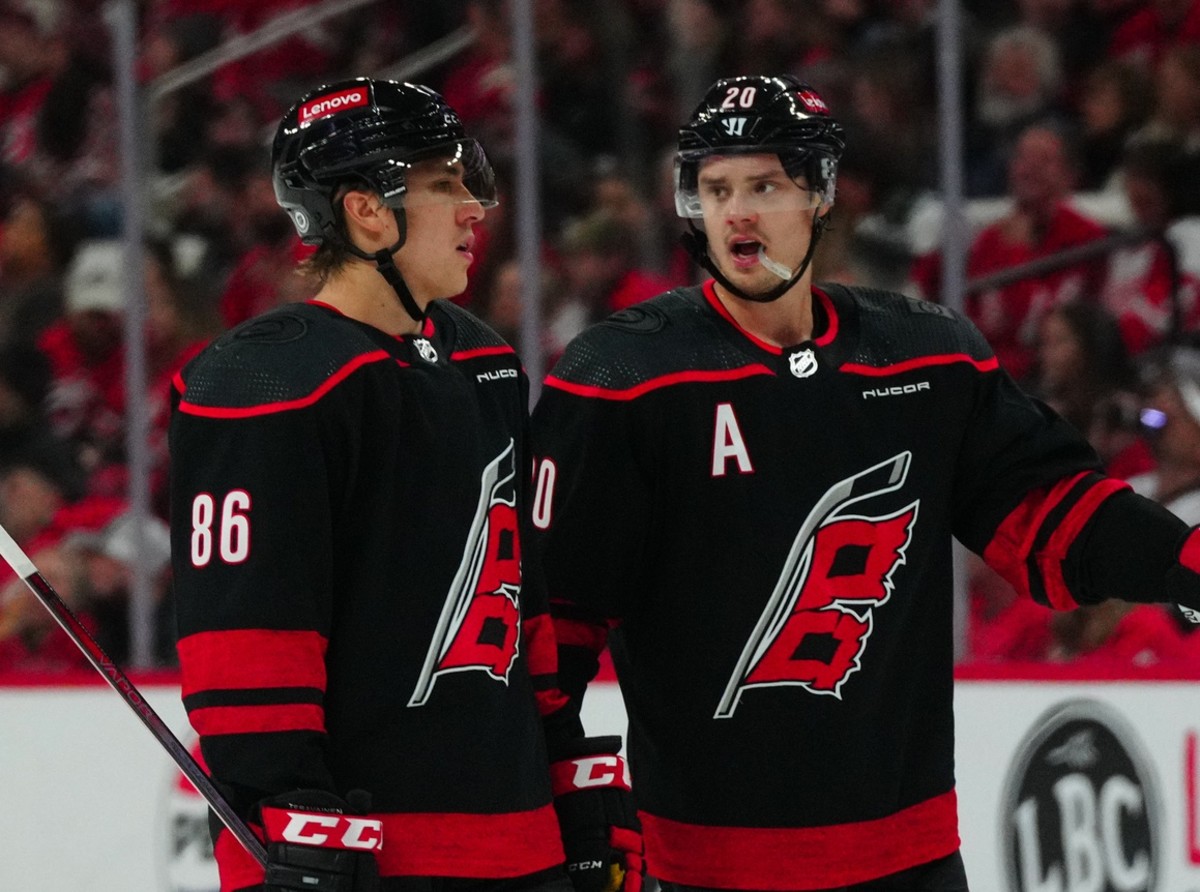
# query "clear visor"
(451, 173)
(708, 185)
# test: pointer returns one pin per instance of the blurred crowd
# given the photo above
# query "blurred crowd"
(1082, 166)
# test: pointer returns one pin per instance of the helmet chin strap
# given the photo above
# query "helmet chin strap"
(386, 264)
(695, 242)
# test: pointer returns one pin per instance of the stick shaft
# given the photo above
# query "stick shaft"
(16, 558)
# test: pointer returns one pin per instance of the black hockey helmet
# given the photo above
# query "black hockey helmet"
(367, 133)
(760, 115)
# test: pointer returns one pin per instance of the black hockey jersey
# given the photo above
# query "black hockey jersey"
(347, 541)
(767, 534)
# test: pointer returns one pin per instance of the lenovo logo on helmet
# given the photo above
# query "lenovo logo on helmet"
(811, 101)
(327, 105)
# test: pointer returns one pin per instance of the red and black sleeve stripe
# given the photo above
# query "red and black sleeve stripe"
(1085, 539)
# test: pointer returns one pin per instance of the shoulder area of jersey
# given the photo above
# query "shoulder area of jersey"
(464, 331)
(644, 346)
(282, 356)
(913, 325)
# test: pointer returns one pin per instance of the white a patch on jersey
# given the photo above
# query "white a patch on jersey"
(814, 628)
(728, 443)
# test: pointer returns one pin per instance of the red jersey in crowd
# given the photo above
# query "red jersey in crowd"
(1144, 37)
(1138, 293)
(1009, 317)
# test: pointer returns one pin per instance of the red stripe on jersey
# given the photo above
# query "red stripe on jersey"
(1008, 552)
(503, 350)
(257, 719)
(252, 658)
(1050, 559)
(541, 652)
(630, 393)
(237, 868)
(788, 858)
(983, 365)
(831, 312)
(450, 845)
(576, 633)
(1189, 554)
(286, 405)
(551, 701)
(710, 294)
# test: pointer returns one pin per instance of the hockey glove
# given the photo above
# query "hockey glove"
(600, 829)
(1183, 580)
(317, 842)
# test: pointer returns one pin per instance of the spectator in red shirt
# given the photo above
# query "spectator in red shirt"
(1148, 33)
(1040, 223)
(86, 404)
(32, 59)
(1117, 635)
(1147, 289)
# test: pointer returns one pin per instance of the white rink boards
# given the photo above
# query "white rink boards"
(1064, 786)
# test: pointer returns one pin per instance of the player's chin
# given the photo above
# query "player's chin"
(454, 285)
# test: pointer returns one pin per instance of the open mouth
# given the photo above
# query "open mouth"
(745, 253)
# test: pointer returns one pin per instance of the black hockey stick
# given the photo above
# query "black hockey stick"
(16, 558)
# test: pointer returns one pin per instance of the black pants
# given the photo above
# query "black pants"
(944, 875)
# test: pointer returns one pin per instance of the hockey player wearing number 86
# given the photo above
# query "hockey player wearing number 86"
(749, 488)
(365, 650)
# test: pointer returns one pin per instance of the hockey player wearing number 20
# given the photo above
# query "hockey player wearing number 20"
(749, 489)
(366, 656)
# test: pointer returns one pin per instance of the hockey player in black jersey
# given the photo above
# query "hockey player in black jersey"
(365, 648)
(749, 490)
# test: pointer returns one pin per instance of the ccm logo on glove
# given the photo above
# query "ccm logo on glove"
(588, 772)
(326, 830)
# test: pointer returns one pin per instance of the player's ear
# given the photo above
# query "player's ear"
(364, 212)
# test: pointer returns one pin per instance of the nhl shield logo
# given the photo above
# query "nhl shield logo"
(426, 350)
(803, 363)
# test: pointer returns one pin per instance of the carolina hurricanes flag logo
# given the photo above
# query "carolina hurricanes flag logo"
(815, 626)
(480, 625)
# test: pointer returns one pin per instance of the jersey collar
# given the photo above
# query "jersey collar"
(827, 320)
